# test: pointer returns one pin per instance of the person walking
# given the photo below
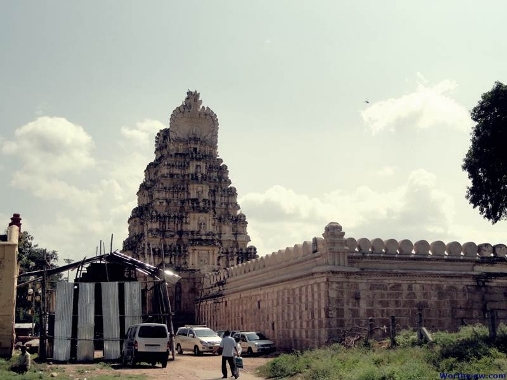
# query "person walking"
(228, 346)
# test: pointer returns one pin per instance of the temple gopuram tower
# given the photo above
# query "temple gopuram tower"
(187, 217)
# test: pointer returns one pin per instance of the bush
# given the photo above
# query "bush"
(466, 351)
(285, 365)
(406, 338)
(469, 344)
(501, 338)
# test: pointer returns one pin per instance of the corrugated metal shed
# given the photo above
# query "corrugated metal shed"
(111, 318)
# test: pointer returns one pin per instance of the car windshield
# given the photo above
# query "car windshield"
(152, 332)
(201, 333)
(256, 336)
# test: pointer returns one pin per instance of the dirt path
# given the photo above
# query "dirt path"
(184, 367)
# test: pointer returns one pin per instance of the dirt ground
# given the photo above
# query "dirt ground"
(184, 367)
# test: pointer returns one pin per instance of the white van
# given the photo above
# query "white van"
(146, 342)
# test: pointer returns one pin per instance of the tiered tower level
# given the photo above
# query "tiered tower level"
(188, 217)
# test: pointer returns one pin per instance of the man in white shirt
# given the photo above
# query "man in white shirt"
(22, 365)
(228, 346)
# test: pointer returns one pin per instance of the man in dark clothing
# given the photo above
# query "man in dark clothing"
(228, 346)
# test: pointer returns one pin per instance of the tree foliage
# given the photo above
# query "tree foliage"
(32, 258)
(486, 159)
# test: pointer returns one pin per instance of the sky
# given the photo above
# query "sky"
(356, 112)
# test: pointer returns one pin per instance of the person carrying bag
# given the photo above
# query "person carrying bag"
(238, 360)
(229, 351)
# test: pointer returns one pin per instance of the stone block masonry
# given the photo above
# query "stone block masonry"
(309, 295)
(8, 278)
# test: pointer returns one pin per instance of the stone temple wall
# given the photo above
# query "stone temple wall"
(308, 295)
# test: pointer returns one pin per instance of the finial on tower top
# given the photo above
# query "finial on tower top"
(15, 221)
(192, 101)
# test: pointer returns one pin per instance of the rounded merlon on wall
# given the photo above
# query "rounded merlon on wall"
(438, 248)
(453, 249)
(422, 248)
(364, 245)
(470, 249)
(405, 247)
(391, 246)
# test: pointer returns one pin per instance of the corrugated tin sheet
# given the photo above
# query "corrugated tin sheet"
(133, 308)
(63, 320)
(85, 322)
(111, 320)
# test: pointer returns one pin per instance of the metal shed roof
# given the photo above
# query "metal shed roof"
(113, 257)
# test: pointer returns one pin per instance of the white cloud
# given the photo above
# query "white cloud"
(91, 210)
(386, 171)
(48, 188)
(417, 209)
(425, 206)
(8, 147)
(426, 107)
(92, 197)
(143, 134)
(51, 145)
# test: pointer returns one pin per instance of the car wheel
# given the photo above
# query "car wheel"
(249, 351)
(164, 363)
(179, 350)
(196, 351)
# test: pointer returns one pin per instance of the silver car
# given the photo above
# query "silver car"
(254, 343)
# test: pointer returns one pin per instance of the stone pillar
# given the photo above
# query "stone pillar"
(8, 279)
(336, 246)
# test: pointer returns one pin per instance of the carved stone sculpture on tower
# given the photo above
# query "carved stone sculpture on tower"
(186, 199)
(187, 217)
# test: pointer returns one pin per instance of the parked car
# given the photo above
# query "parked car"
(146, 342)
(253, 343)
(220, 333)
(196, 339)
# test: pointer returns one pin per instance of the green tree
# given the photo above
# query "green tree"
(486, 159)
(32, 258)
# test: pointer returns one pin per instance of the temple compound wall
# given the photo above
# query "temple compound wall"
(309, 295)
(8, 281)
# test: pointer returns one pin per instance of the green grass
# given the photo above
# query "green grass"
(43, 371)
(469, 351)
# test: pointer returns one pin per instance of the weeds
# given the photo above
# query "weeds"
(467, 351)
